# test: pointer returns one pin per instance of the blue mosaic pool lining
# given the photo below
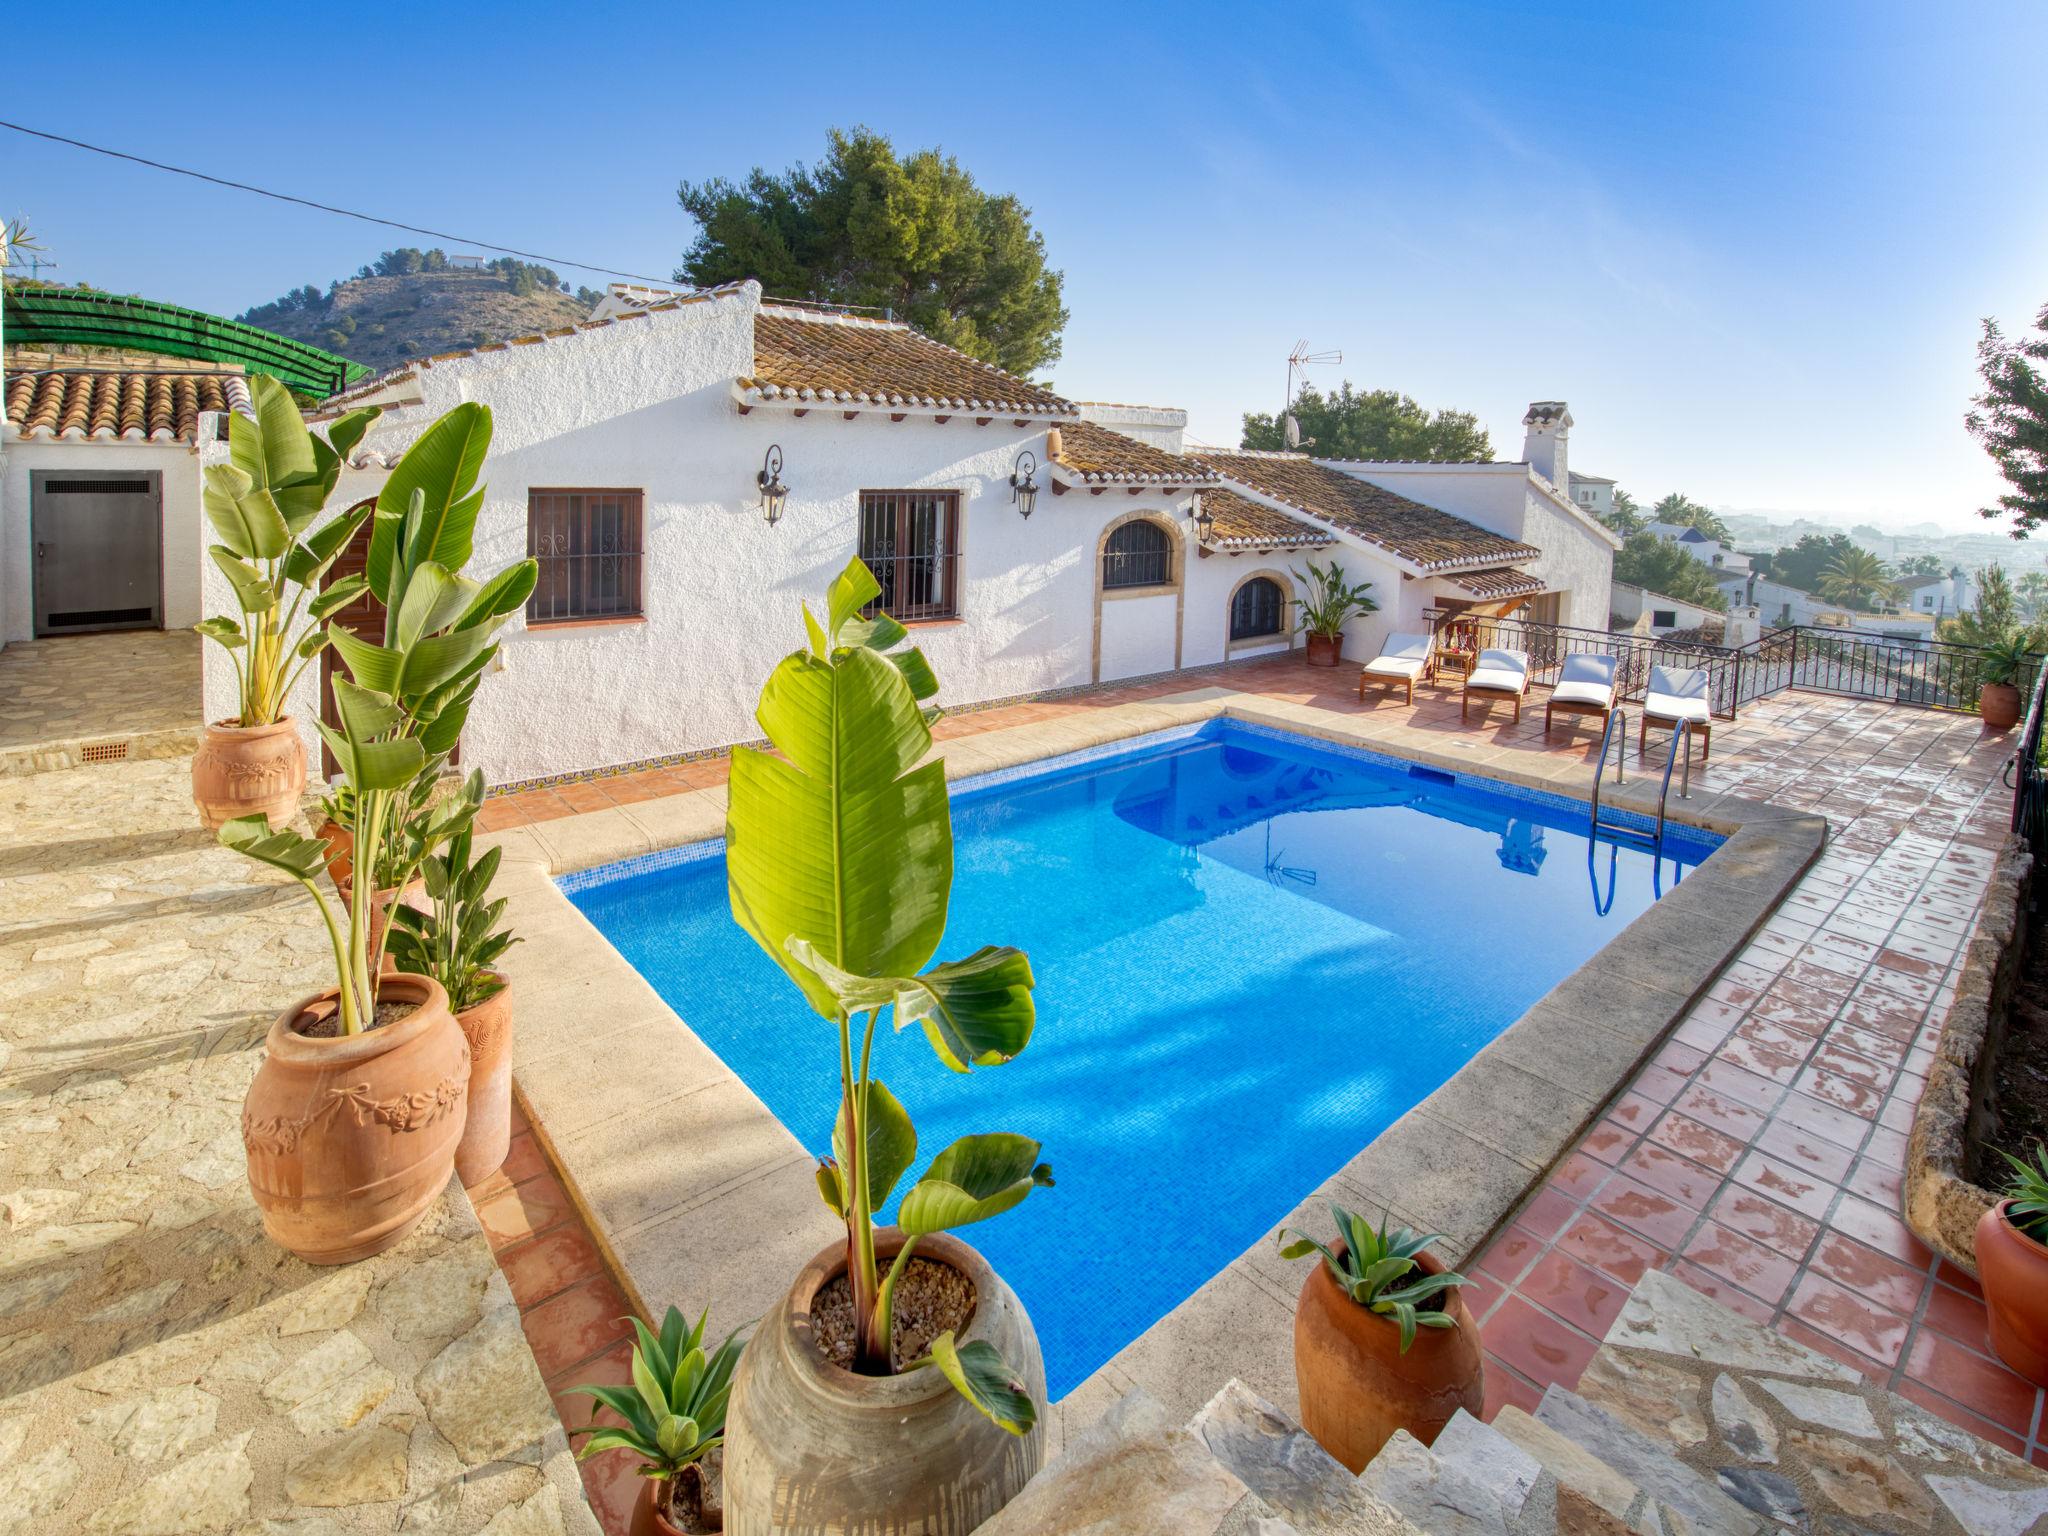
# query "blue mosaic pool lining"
(976, 785)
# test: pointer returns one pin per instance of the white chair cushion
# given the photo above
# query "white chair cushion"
(1589, 667)
(1405, 647)
(1394, 666)
(1583, 693)
(1665, 706)
(1678, 682)
(1503, 661)
(1500, 679)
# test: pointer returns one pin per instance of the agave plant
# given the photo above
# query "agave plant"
(260, 504)
(403, 704)
(673, 1415)
(1332, 600)
(839, 851)
(2027, 1189)
(1374, 1267)
(458, 939)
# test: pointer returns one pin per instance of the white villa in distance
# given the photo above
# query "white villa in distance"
(1032, 542)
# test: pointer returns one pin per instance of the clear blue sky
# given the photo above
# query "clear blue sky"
(1749, 243)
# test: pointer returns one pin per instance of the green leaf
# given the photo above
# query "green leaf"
(917, 672)
(345, 431)
(975, 1178)
(226, 631)
(435, 597)
(652, 1388)
(371, 665)
(851, 590)
(820, 647)
(275, 451)
(435, 660)
(985, 1379)
(336, 598)
(443, 465)
(502, 595)
(606, 1439)
(877, 634)
(297, 855)
(244, 514)
(253, 591)
(623, 1401)
(976, 1012)
(311, 556)
(677, 1436)
(891, 1142)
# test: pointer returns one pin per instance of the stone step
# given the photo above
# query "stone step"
(1132, 1473)
(1471, 1483)
(1584, 1482)
(1649, 1464)
(1309, 1490)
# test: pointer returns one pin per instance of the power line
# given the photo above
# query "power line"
(348, 213)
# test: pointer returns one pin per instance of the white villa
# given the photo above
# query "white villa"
(1723, 559)
(1034, 542)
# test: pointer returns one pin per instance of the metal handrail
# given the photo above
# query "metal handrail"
(1620, 760)
(1680, 732)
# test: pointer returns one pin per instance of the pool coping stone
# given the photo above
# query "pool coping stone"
(591, 1029)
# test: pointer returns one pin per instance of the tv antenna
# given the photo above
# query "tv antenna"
(1299, 361)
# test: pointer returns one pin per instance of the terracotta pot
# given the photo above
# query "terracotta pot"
(341, 853)
(1325, 650)
(2014, 1269)
(488, 1130)
(1999, 704)
(412, 894)
(812, 1448)
(351, 1138)
(656, 1512)
(1357, 1387)
(259, 770)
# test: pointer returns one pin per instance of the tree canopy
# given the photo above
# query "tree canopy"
(1801, 565)
(1687, 513)
(2010, 418)
(1856, 578)
(1922, 565)
(1645, 560)
(1627, 517)
(912, 234)
(1353, 423)
(1997, 616)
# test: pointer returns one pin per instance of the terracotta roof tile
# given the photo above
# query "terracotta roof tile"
(1498, 581)
(1241, 524)
(1425, 536)
(134, 405)
(1101, 455)
(841, 359)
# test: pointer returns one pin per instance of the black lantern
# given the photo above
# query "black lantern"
(773, 492)
(1203, 520)
(1024, 489)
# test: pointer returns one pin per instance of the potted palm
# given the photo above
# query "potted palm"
(897, 1385)
(457, 939)
(1332, 602)
(673, 1418)
(1382, 1339)
(352, 1121)
(2000, 668)
(2012, 1260)
(260, 505)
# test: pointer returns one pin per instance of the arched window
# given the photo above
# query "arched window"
(1137, 554)
(1256, 608)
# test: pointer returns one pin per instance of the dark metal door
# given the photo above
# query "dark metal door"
(98, 550)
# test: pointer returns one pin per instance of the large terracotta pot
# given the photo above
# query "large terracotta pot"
(688, 1507)
(249, 771)
(814, 1449)
(341, 853)
(487, 1133)
(350, 1138)
(2014, 1269)
(1325, 650)
(1357, 1387)
(1999, 704)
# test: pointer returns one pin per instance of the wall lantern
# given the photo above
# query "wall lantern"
(773, 492)
(1024, 489)
(1203, 520)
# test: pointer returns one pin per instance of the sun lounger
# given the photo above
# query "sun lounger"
(1678, 693)
(1497, 674)
(1584, 687)
(1401, 661)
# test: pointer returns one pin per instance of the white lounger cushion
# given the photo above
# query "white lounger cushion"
(1677, 693)
(1502, 671)
(1394, 666)
(1586, 679)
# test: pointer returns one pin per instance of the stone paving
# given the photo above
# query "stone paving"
(163, 1367)
(135, 691)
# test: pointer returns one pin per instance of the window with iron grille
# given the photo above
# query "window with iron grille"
(1137, 554)
(588, 546)
(911, 541)
(1255, 609)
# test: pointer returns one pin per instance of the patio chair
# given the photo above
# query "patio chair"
(1402, 660)
(1675, 694)
(1585, 686)
(1497, 674)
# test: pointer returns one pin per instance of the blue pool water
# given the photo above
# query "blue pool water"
(1254, 952)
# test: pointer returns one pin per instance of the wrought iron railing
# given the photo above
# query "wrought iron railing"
(1549, 644)
(2029, 780)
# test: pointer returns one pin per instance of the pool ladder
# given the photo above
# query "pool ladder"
(1681, 737)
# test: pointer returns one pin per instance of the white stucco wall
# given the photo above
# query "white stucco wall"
(184, 541)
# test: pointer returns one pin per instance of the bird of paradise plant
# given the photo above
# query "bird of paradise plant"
(839, 851)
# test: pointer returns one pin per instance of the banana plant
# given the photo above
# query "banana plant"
(260, 504)
(839, 851)
(404, 702)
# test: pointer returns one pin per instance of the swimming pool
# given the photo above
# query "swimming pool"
(1254, 952)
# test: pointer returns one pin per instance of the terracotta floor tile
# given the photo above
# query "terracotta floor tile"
(1504, 1386)
(570, 1328)
(1762, 1272)
(550, 1264)
(1633, 1111)
(1579, 1175)
(1607, 1142)
(1547, 1212)
(1859, 1099)
(1854, 1320)
(1801, 1149)
(1644, 1210)
(1698, 1143)
(1765, 1221)
(1741, 1051)
(499, 816)
(1565, 1288)
(1539, 1346)
(1606, 1247)
(1881, 1229)
(523, 1211)
(1827, 1121)
(1718, 1113)
(1960, 1317)
(1739, 1086)
(1984, 1386)
(590, 795)
(1870, 1273)
(1806, 1194)
(1509, 1254)
(524, 1160)
(1960, 1279)
(1669, 1174)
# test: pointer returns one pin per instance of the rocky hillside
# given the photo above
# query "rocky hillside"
(412, 304)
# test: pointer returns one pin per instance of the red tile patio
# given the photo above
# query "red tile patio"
(1757, 1156)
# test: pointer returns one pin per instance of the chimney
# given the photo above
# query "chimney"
(1543, 447)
